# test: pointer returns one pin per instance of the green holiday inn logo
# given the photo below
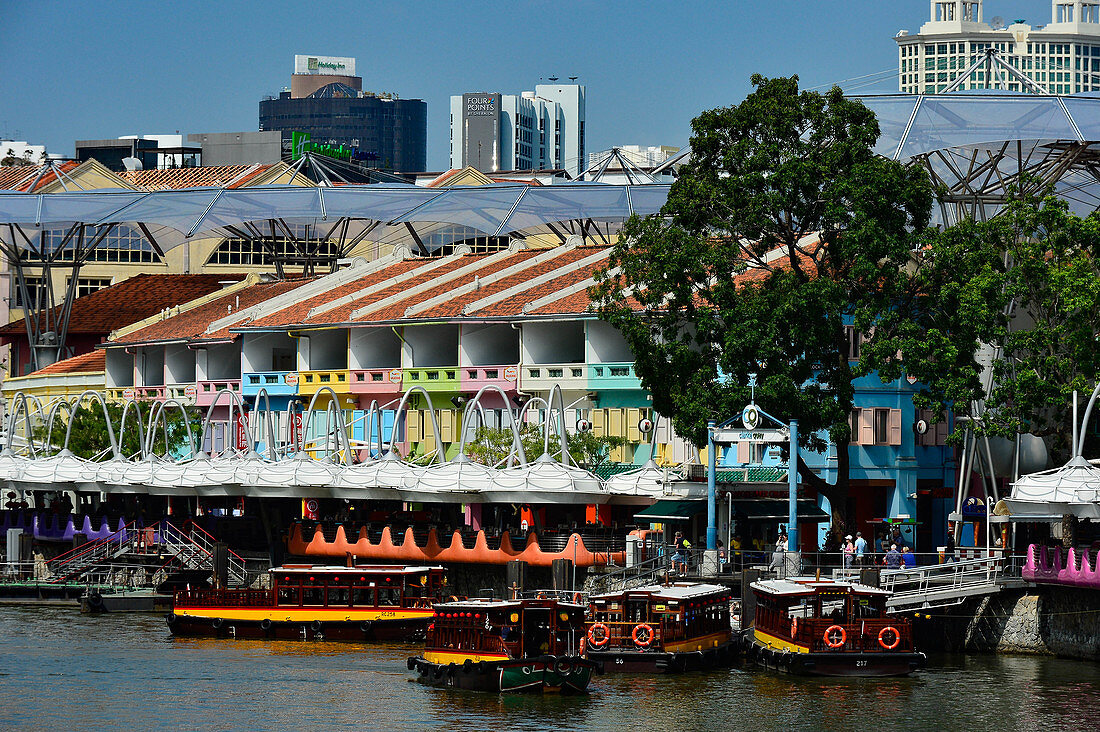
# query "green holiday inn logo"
(314, 65)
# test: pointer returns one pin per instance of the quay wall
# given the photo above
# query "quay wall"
(1051, 621)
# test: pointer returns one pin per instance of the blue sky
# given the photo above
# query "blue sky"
(86, 70)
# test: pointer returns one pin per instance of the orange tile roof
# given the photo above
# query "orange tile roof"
(131, 300)
(191, 324)
(90, 362)
(231, 176)
(20, 177)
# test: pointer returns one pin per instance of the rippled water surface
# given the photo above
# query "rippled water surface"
(61, 670)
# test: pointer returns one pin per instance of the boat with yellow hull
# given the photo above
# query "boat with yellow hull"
(682, 626)
(312, 601)
(808, 626)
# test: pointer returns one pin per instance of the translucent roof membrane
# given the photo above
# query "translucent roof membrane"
(953, 120)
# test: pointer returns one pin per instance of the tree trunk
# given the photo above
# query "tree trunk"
(836, 493)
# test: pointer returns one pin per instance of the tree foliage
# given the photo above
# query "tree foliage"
(491, 446)
(89, 437)
(783, 227)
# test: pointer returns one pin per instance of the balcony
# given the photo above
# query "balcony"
(613, 376)
(310, 382)
(473, 378)
(208, 389)
(376, 381)
(139, 393)
(277, 383)
(542, 377)
(432, 378)
(182, 393)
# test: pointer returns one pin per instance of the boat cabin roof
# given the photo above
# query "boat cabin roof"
(806, 586)
(675, 591)
(364, 568)
(489, 604)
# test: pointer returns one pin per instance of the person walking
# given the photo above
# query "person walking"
(680, 556)
(861, 549)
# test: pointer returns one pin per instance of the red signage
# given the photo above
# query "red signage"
(190, 391)
(291, 378)
(128, 393)
(309, 509)
(395, 376)
(511, 373)
(241, 432)
(296, 431)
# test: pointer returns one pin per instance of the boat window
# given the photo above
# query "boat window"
(389, 596)
(338, 595)
(288, 595)
(313, 596)
(364, 596)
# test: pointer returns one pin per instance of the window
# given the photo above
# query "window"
(36, 292)
(120, 244)
(876, 426)
(854, 341)
(88, 285)
(261, 252)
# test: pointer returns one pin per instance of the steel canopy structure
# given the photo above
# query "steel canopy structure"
(339, 217)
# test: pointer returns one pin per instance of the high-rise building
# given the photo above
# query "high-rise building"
(1062, 57)
(327, 105)
(535, 130)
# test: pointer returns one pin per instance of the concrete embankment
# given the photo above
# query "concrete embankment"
(1052, 621)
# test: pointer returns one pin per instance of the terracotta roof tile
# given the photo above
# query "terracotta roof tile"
(90, 362)
(232, 176)
(131, 300)
(192, 324)
(20, 177)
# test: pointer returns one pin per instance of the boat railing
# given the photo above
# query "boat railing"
(864, 636)
(224, 598)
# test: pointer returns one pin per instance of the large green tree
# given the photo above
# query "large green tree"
(784, 228)
(1026, 284)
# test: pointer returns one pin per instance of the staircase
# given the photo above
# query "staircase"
(73, 565)
(193, 548)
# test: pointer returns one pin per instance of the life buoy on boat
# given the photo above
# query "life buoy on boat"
(577, 598)
(642, 635)
(897, 638)
(602, 638)
(794, 627)
(583, 647)
(831, 637)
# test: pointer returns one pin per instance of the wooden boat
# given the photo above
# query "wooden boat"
(828, 628)
(311, 601)
(661, 628)
(506, 646)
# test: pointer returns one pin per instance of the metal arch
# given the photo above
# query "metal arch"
(158, 414)
(517, 442)
(49, 421)
(431, 410)
(271, 449)
(234, 397)
(556, 392)
(19, 402)
(349, 459)
(95, 396)
(122, 425)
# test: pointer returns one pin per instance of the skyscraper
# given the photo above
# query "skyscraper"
(1062, 57)
(535, 130)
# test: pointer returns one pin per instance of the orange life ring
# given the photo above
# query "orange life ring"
(897, 638)
(605, 635)
(583, 647)
(577, 598)
(829, 636)
(648, 630)
(794, 627)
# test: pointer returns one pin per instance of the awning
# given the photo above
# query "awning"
(670, 510)
(760, 509)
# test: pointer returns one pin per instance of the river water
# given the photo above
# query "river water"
(63, 670)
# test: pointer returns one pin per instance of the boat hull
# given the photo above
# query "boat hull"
(542, 675)
(303, 627)
(848, 663)
(661, 662)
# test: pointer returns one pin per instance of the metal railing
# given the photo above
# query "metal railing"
(193, 548)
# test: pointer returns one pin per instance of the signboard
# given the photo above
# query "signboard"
(241, 433)
(190, 391)
(728, 436)
(309, 508)
(511, 373)
(128, 393)
(481, 131)
(324, 65)
(296, 431)
(291, 378)
(395, 376)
